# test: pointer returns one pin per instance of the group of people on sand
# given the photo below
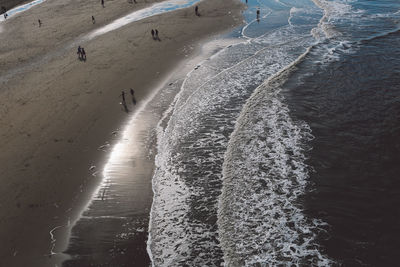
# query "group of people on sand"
(81, 53)
(154, 34)
(124, 101)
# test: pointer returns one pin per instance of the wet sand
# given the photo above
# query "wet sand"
(56, 111)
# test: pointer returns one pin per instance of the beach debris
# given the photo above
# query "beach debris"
(53, 240)
(104, 147)
(92, 168)
(198, 66)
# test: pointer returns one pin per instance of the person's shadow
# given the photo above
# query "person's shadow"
(123, 103)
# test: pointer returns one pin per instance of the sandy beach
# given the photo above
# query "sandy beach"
(56, 111)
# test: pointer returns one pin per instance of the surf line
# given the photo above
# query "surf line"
(153, 10)
(21, 8)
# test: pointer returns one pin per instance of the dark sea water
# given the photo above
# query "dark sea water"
(284, 149)
(353, 108)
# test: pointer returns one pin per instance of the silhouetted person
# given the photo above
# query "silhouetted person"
(102, 3)
(133, 96)
(79, 52)
(152, 33)
(156, 35)
(40, 23)
(83, 54)
(246, 1)
(196, 10)
(258, 13)
(5, 15)
(93, 20)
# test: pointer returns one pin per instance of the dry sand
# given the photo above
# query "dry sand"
(55, 111)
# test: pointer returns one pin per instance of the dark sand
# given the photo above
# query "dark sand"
(56, 111)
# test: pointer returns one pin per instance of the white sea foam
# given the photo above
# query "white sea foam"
(16, 10)
(332, 10)
(153, 10)
(187, 180)
(264, 174)
(260, 219)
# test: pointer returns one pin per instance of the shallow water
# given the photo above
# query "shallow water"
(14, 11)
(153, 10)
(283, 149)
(112, 230)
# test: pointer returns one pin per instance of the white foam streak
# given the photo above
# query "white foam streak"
(332, 9)
(260, 190)
(19, 9)
(153, 10)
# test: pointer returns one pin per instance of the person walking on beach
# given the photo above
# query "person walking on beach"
(93, 20)
(40, 23)
(196, 10)
(152, 33)
(133, 96)
(102, 3)
(156, 35)
(79, 52)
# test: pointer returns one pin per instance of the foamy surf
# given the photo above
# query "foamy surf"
(192, 141)
(16, 10)
(264, 175)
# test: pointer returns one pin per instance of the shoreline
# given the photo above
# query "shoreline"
(39, 184)
(10, 4)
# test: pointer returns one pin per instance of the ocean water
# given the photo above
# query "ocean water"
(283, 149)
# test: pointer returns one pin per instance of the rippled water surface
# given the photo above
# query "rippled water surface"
(283, 149)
